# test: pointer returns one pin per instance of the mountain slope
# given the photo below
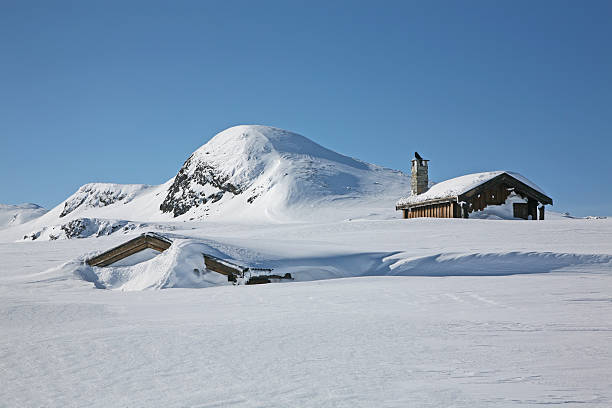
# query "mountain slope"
(11, 215)
(246, 173)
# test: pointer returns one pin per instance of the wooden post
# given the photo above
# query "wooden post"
(532, 208)
(541, 212)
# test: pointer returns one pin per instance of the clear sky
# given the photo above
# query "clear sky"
(124, 91)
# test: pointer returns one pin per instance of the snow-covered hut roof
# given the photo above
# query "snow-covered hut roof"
(147, 240)
(461, 185)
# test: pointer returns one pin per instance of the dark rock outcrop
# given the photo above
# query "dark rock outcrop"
(184, 193)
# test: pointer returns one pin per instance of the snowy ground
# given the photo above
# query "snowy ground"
(538, 334)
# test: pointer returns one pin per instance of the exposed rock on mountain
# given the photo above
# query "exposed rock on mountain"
(189, 185)
(95, 195)
(88, 227)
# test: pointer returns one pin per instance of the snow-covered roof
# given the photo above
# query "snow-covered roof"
(460, 185)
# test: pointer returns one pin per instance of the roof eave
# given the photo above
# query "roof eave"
(408, 206)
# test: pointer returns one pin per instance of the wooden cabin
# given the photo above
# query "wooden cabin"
(462, 196)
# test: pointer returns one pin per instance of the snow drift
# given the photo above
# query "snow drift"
(182, 265)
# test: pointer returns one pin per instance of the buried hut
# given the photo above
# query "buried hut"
(149, 244)
(496, 193)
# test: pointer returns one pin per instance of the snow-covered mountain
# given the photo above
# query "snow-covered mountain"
(11, 215)
(246, 173)
(254, 171)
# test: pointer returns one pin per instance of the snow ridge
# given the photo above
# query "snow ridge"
(95, 195)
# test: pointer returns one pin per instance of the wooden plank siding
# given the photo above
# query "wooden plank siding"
(438, 210)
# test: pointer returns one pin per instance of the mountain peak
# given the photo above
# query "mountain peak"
(253, 161)
(256, 140)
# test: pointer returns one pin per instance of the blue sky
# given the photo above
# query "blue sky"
(125, 91)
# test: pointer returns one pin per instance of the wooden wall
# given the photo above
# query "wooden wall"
(442, 210)
(494, 196)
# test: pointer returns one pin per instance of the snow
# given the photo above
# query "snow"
(139, 257)
(11, 215)
(181, 265)
(459, 185)
(538, 333)
(95, 195)
(90, 227)
(340, 250)
(382, 312)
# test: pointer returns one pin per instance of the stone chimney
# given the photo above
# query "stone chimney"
(420, 180)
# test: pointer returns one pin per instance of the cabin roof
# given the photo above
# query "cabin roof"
(458, 186)
(147, 240)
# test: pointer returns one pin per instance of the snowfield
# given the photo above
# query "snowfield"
(538, 334)
(383, 312)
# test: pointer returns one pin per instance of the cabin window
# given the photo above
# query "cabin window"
(520, 210)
